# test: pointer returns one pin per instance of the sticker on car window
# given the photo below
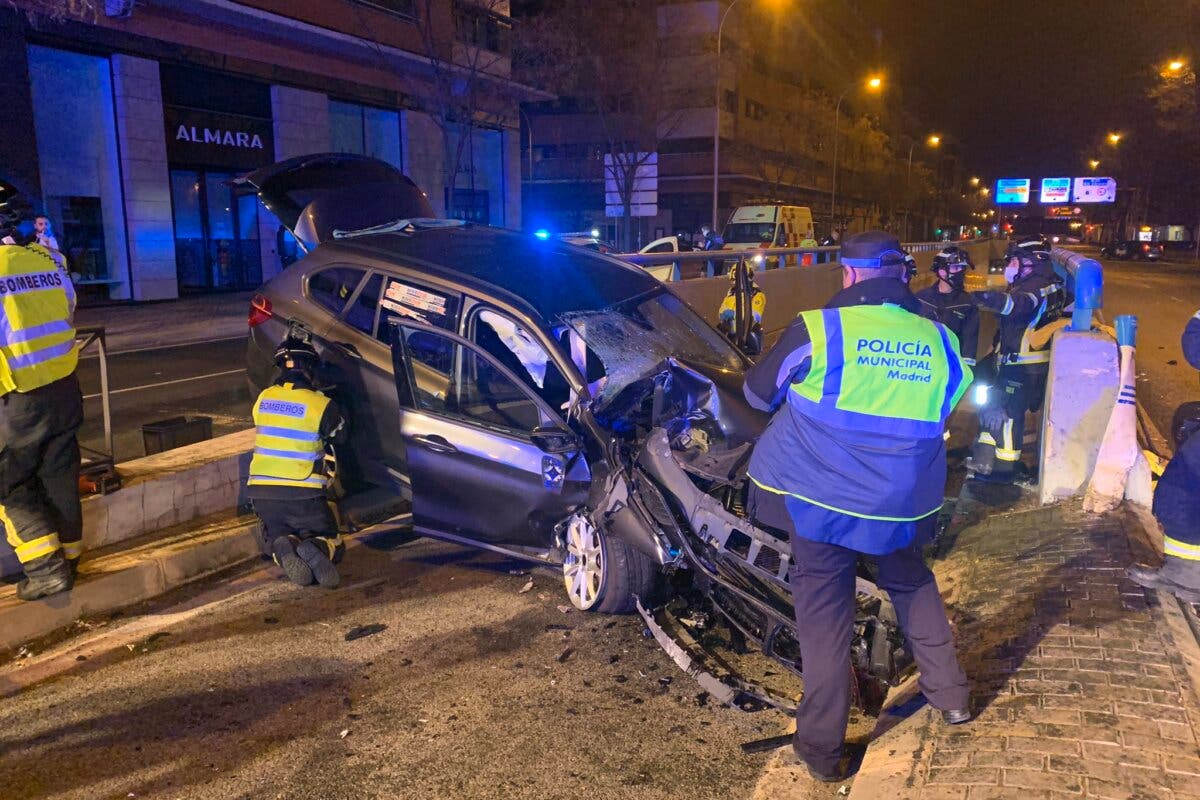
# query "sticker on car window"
(413, 298)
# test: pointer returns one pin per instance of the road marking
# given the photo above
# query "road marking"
(152, 347)
(166, 383)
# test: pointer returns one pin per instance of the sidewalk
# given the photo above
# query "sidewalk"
(1081, 678)
(169, 322)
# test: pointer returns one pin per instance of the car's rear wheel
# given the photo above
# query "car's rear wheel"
(602, 572)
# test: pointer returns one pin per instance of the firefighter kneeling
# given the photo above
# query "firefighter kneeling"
(287, 475)
(1033, 302)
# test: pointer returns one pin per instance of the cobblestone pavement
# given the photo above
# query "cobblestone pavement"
(1081, 679)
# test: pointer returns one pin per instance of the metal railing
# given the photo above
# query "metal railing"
(1084, 278)
(768, 257)
(85, 337)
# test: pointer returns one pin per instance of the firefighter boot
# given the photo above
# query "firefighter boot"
(317, 555)
(54, 577)
(283, 551)
(1179, 576)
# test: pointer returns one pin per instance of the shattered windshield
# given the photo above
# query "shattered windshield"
(633, 337)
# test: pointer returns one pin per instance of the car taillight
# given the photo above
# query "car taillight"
(1146, 248)
(260, 310)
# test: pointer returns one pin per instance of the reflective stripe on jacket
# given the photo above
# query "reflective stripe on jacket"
(288, 450)
(37, 339)
(860, 434)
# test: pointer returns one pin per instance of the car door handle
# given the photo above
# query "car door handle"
(349, 349)
(434, 443)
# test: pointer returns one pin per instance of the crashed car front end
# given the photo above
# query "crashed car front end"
(682, 440)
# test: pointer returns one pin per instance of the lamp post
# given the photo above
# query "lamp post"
(717, 117)
(874, 83)
(933, 140)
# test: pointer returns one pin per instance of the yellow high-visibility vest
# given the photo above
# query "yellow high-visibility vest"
(37, 339)
(287, 443)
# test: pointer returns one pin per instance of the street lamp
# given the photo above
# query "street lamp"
(1094, 163)
(933, 140)
(974, 181)
(1114, 138)
(873, 84)
(717, 115)
(1176, 65)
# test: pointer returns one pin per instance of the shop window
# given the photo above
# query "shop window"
(77, 159)
(332, 288)
(365, 131)
(469, 204)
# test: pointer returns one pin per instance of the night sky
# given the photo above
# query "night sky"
(1028, 87)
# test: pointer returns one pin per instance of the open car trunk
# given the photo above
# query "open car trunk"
(315, 195)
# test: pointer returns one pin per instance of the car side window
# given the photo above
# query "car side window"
(333, 287)
(362, 312)
(665, 247)
(454, 380)
(404, 299)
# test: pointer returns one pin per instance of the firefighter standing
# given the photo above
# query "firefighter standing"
(853, 462)
(949, 303)
(41, 409)
(1177, 502)
(727, 314)
(1034, 299)
(288, 480)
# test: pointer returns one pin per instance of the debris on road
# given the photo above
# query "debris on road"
(345, 732)
(528, 587)
(365, 630)
(767, 744)
(564, 655)
(564, 609)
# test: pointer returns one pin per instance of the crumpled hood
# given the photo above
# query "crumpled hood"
(680, 397)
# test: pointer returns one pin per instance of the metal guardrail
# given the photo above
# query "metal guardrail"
(782, 256)
(1084, 278)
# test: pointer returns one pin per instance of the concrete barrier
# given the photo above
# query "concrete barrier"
(162, 490)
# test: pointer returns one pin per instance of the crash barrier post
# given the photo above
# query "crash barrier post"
(1119, 450)
(1081, 389)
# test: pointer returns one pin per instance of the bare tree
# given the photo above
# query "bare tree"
(85, 10)
(471, 67)
(606, 58)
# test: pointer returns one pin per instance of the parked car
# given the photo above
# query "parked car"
(1132, 250)
(589, 239)
(667, 244)
(770, 226)
(545, 402)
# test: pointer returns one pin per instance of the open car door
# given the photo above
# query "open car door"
(317, 194)
(489, 461)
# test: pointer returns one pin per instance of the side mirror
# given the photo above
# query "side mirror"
(555, 440)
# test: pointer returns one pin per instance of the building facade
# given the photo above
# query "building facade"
(781, 71)
(126, 131)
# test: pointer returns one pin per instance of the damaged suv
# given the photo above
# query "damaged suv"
(542, 401)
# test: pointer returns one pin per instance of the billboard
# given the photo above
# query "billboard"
(1012, 191)
(1055, 190)
(1095, 190)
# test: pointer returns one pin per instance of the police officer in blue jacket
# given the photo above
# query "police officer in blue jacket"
(853, 463)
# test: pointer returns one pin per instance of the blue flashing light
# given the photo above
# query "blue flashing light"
(542, 233)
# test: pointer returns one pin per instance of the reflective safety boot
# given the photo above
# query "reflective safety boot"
(315, 553)
(1179, 576)
(49, 580)
(283, 551)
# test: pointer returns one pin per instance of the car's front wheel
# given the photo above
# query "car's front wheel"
(602, 572)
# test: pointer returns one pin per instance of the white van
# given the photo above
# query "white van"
(770, 226)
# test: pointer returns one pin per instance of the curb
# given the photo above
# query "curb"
(127, 576)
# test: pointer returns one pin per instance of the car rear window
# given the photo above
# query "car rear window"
(332, 288)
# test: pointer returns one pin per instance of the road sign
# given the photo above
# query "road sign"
(1095, 190)
(1012, 191)
(1056, 190)
(644, 189)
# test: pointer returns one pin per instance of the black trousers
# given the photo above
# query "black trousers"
(39, 473)
(823, 593)
(305, 517)
(1019, 388)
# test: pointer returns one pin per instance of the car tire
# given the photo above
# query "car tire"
(602, 572)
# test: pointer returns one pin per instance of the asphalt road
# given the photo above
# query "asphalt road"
(1163, 297)
(205, 378)
(468, 687)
